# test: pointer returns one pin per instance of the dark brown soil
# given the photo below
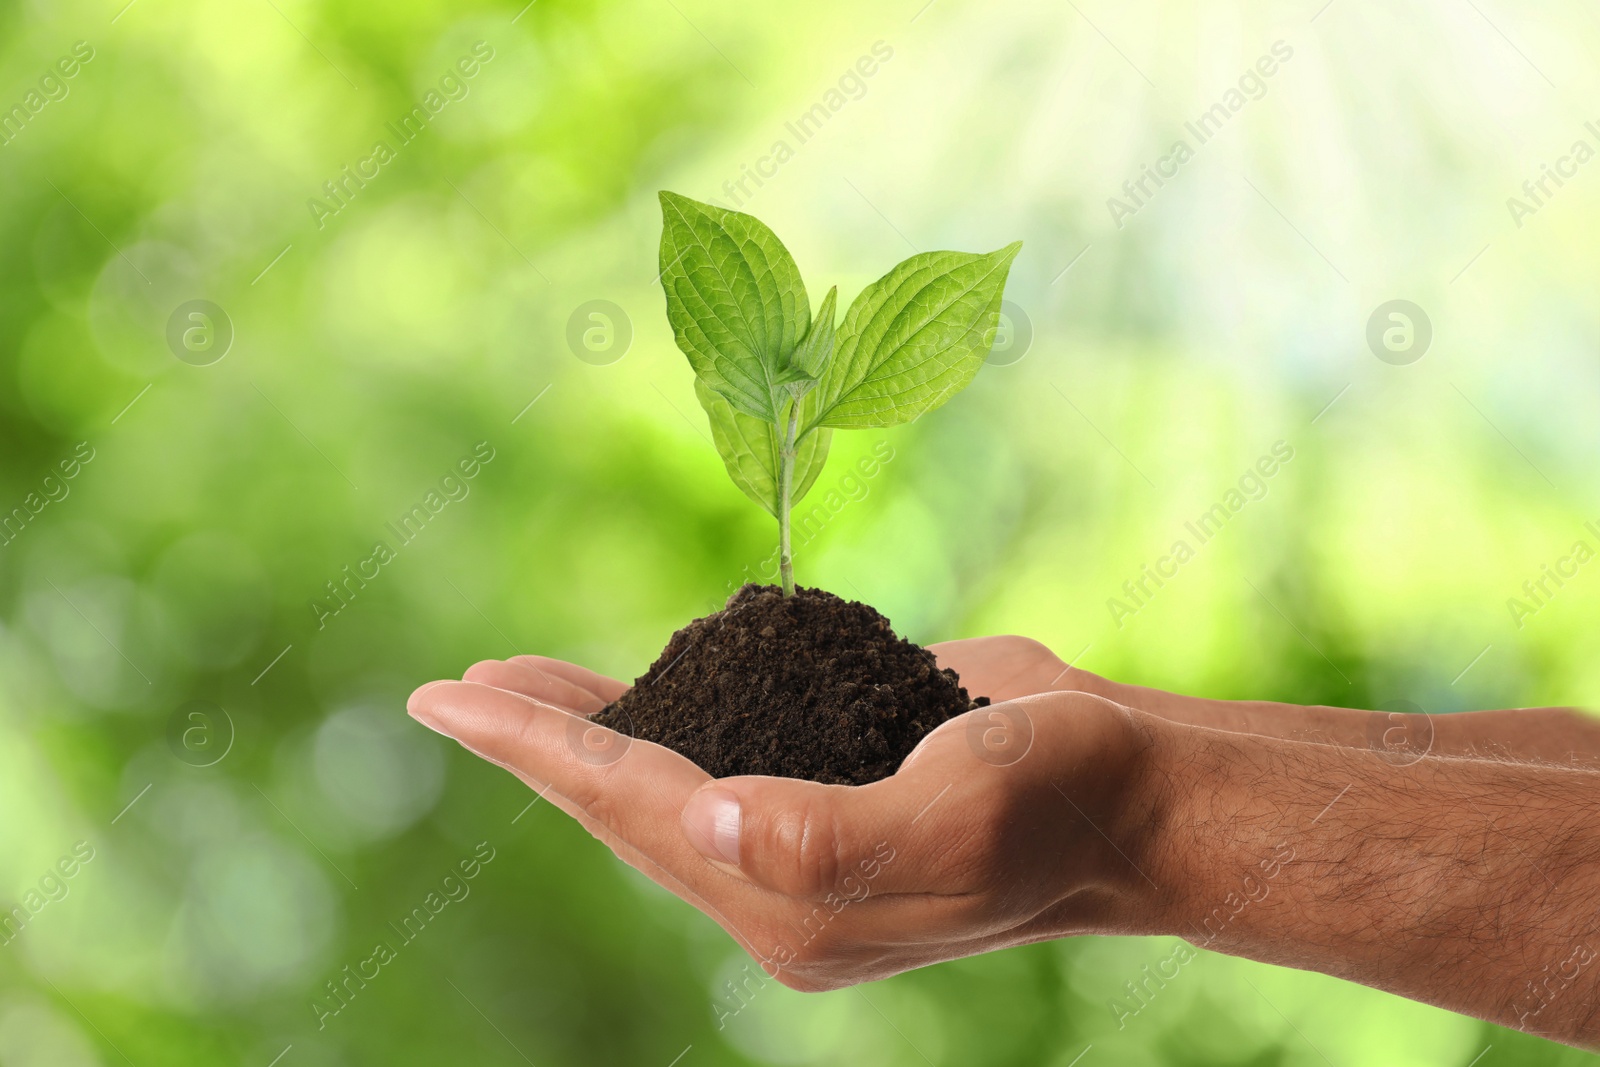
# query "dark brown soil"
(808, 686)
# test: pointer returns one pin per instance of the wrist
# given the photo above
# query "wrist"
(1215, 848)
(1141, 838)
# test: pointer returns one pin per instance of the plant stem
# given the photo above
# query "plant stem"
(785, 486)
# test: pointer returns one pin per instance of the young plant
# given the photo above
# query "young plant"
(776, 382)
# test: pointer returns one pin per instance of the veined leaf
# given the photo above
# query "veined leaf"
(913, 338)
(792, 375)
(735, 300)
(816, 348)
(750, 446)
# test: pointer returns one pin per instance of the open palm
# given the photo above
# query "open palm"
(828, 885)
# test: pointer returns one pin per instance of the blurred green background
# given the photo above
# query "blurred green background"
(236, 761)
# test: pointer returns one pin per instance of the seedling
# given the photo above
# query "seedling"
(777, 382)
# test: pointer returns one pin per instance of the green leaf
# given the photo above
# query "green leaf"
(791, 375)
(735, 300)
(749, 449)
(913, 338)
(811, 358)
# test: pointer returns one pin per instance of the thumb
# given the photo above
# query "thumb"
(805, 839)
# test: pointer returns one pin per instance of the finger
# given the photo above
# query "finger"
(1006, 668)
(690, 878)
(965, 653)
(628, 793)
(607, 689)
(633, 804)
(908, 920)
(1002, 667)
(820, 958)
(620, 848)
(805, 839)
(632, 788)
(537, 683)
(959, 656)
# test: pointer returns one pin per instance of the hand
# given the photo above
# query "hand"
(1003, 668)
(967, 848)
(1008, 667)
(1067, 812)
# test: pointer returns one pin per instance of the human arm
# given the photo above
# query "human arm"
(1464, 883)
(1007, 667)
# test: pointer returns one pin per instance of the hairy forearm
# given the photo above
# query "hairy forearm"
(1469, 884)
(1558, 736)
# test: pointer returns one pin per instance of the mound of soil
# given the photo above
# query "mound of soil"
(808, 686)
